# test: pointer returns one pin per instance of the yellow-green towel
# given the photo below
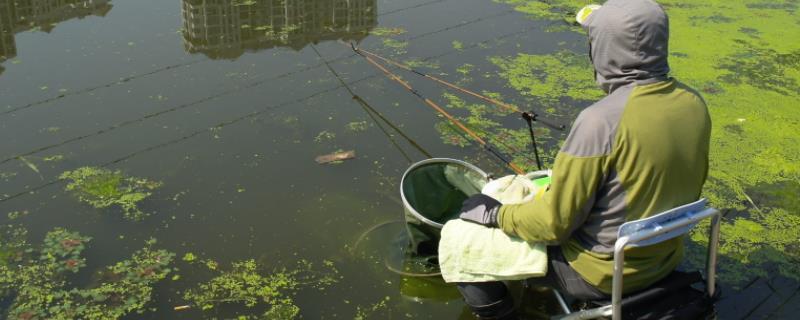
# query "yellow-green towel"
(469, 252)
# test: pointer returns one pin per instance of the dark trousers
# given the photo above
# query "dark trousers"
(492, 300)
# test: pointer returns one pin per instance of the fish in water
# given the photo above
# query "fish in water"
(336, 156)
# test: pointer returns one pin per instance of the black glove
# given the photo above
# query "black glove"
(481, 209)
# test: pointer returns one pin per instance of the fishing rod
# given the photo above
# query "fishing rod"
(370, 110)
(528, 116)
(533, 115)
(441, 111)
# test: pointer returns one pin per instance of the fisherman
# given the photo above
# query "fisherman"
(641, 150)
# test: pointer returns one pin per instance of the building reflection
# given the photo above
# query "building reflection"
(43, 15)
(225, 29)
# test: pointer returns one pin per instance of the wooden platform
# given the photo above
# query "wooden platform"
(775, 298)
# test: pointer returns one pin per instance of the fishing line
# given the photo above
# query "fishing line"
(367, 109)
(366, 233)
(529, 117)
(441, 111)
(252, 114)
(157, 114)
(98, 87)
(166, 68)
(187, 137)
(225, 93)
(496, 102)
(463, 24)
(395, 128)
(411, 7)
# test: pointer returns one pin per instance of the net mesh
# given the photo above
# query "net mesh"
(436, 191)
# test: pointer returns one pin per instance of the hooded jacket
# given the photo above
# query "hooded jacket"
(641, 150)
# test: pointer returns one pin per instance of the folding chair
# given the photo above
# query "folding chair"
(648, 231)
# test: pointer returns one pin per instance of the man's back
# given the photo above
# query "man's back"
(641, 150)
(657, 159)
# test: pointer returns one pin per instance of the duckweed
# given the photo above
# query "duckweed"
(417, 63)
(37, 286)
(383, 32)
(551, 9)
(324, 136)
(357, 126)
(364, 313)
(249, 285)
(512, 142)
(103, 188)
(549, 78)
(399, 47)
(465, 69)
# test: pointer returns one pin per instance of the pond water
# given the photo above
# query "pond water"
(228, 103)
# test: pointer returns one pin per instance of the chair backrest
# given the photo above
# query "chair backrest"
(655, 223)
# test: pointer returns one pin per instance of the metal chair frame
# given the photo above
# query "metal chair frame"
(661, 227)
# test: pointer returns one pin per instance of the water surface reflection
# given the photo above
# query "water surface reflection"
(226, 29)
(43, 15)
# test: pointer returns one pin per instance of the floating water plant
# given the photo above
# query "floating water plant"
(549, 78)
(53, 158)
(37, 285)
(418, 63)
(363, 313)
(465, 69)
(399, 47)
(763, 68)
(103, 188)
(325, 135)
(383, 32)
(248, 284)
(551, 9)
(13, 246)
(357, 126)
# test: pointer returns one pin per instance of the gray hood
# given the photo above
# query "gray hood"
(629, 43)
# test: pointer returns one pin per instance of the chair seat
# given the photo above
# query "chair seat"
(672, 283)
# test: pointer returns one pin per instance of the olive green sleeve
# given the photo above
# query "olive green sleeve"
(564, 205)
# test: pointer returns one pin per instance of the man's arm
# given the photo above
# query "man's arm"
(564, 205)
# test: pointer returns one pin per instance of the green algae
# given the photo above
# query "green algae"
(13, 246)
(357, 126)
(399, 47)
(480, 119)
(465, 69)
(418, 63)
(7, 175)
(14, 215)
(248, 284)
(324, 135)
(37, 285)
(384, 32)
(737, 55)
(53, 158)
(551, 9)
(364, 313)
(762, 68)
(103, 188)
(189, 257)
(753, 246)
(549, 77)
(477, 121)
(780, 195)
